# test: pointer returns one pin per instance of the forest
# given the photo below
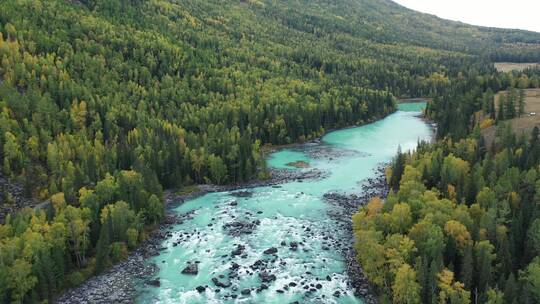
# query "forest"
(462, 224)
(106, 103)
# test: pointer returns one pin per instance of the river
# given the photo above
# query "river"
(227, 234)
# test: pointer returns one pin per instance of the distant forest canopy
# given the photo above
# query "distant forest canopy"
(104, 103)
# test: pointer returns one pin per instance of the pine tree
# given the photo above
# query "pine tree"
(510, 106)
(466, 274)
(521, 102)
(422, 269)
(484, 271)
(510, 289)
(397, 169)
(102, 247)
(501, 115)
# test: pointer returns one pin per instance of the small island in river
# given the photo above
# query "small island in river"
(299, 164)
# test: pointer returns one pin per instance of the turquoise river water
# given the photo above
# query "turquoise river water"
(294, 212)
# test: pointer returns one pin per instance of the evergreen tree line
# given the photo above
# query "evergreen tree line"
(454, 111)
(510, 104)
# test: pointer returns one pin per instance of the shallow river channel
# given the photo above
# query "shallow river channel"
(280, 244)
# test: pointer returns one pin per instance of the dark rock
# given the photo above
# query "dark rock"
(258, 265)
(266, 277)
(200, 289)
(191, 269)
(240, 227)
(218, 283)
(272, 250)
(155, 282)
(238, 251)
(293, 246)
(246, 291)
(242, 194)
(318, 286)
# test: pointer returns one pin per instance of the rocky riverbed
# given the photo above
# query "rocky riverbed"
(13, 197)
(117, 284)
(345, 205)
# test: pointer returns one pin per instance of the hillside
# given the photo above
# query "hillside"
(103, 103)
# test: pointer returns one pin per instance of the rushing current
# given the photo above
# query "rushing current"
(291, 222)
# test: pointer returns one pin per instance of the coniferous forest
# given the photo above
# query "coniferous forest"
(104, 104)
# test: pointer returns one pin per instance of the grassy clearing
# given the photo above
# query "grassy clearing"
(526, 122)
(514, 66)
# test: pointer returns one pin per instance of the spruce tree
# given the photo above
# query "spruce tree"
(510, 106)
(510, 289)
(501, 104)
(102, 247)
(521, 102)
(466, 274)
(397, 169)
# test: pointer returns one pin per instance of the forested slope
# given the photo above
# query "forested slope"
(104, 103)
(462, 224)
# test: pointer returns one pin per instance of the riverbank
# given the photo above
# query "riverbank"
(349, 205)
(118, 284)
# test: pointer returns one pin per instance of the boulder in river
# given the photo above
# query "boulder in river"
(238, 228)
(191, 269)
(246, 291)
(238, 251)
(200, 289)
(258, 265)
(218, 283)
(293, 246)
(267, 277)
(155, 283)
(242, 194)
(271, 250)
